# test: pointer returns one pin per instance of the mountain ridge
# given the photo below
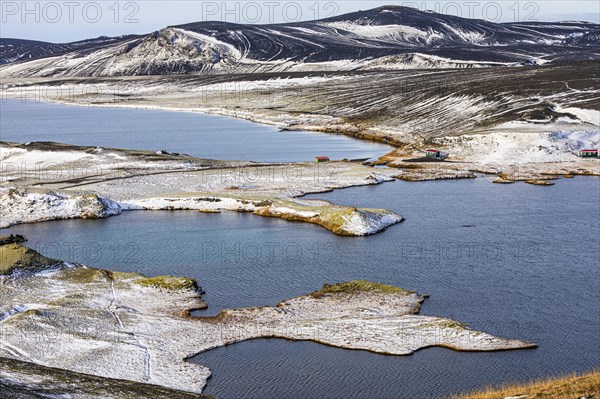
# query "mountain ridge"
(388, 37)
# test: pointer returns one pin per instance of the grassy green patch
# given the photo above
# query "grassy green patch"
(361, 286)
(17, 257)
(334, 216)
(448, 323)
(83, 275)
(121, 276)
(539, 182)
(168, 283)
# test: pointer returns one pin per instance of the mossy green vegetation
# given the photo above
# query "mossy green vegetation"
(123, 276)
(360, 286)
(15, 257)
(539, 182)
(337, 219)
(334, 219)
(449, 323)
(502, 181)
(169, 283)
(83, 275)
(88, 275)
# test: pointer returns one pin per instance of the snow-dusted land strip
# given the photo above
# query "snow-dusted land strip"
(40, 184)
(18, 207)
(510, 130)
(340, 220)
(126, 326)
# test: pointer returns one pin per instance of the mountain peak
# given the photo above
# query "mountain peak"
(388, 37)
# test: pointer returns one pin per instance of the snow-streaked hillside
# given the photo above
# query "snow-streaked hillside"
(383, 38)
(394, 107)
(17, 50)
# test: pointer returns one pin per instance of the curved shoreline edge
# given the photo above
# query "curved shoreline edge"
(44, 181)
(61, 315)
(512, 132)
(344, 221)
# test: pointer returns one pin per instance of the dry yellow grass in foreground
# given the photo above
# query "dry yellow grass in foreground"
(572, 387)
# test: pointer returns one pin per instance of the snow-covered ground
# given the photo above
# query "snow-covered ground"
(28, 207)
(510, 121)
(584, 115)
(390, 32)
(126, 326)
(513, 152)
(507, 147)
(50, 186)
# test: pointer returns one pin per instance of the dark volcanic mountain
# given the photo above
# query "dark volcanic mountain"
(387, 37)
(19, 50)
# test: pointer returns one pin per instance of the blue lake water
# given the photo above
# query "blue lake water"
(518, 261)
(204, 136)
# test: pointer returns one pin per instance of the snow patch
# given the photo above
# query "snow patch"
(289, 211)
(557, 146)
(363, 222)
(198, 39)
(31, 158)
(585, 115)
(26, 207)
(381, 31)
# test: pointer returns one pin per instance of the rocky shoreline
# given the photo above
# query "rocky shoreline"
(502, 155)
(50, 181)
(122, 325)
(485, 129)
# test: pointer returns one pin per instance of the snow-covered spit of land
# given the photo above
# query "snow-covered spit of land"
(126, 326)
(45, 181)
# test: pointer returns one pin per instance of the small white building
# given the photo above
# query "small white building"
(435, 154)
(588, 153)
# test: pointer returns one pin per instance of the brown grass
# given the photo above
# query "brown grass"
(575, 386)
